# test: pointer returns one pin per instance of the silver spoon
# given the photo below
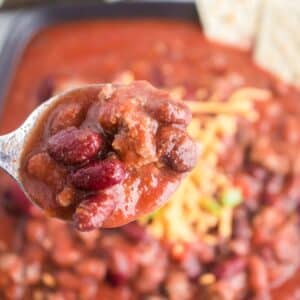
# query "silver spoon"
(12, 144)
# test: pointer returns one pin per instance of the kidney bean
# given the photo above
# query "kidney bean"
(63, 294)
(178, 287)
(257, 171)
(280, 88)
(287, 243)
(66, 279)
(206, 253)
(14, 292)
(150, 252)
(134, 231)
(265, 224)
(232, 158)
(191, 265)
(272, 157)
(219, 63)
(153, 267)
(116, 293)
(88, 288)
(65, 256)
(155, 297)
(65, 253)
(291, 129)
(32, 273)
(52, 296)
(34, 254)
(176, 149)
(91, 267)
(73, 146)
(291, 193)
(258, 275)
(169, 112)
(226, 85)
(150, 277)
(230, 267)
(223, 290)
(91, 212)
(274, 184)
(99, 175)
(66, 115)
(12, 265)
(239, 247)
(121, 266)
(44, 168)
(89, 239)
(35, 231)
(241, 225)
(15, 200)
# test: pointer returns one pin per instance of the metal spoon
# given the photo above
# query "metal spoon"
(12, 144)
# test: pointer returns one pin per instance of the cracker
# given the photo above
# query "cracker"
(278, 42)
(232, 22)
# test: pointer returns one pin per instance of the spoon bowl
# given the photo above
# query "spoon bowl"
(12, 144)
(101, 155)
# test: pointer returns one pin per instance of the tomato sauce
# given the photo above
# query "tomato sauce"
(169, 54)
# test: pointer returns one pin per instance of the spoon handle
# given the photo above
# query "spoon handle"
(10, 148)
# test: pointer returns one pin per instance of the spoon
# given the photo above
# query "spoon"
(71, 174)
(12, 144)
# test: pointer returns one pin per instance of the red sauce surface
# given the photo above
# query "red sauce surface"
(105, 155)
(169, 54)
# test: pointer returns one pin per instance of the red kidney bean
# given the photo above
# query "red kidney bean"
(62, 294)
(257, 171)
(73, 146)
(206, 253)
(191, 265)
(134, 231)
(266, 224)
(15, 200)
(219, 63)
(35, 231)
(99, 175)
(176, 149)
(68, 280)
(43, 167)
(258, 275)
(13, 266)
(178, 286)
(65, 256)
(89, 239)
(169, 112)
(122, 264)
(92, 212)
(287, 243)
(88, 288)
(150, 277)
(230, 267)
(232, 158)
(241, 225)
(91, 267)
(14, 292)
(66, 115)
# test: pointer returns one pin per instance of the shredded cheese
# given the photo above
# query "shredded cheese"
(197, 208)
